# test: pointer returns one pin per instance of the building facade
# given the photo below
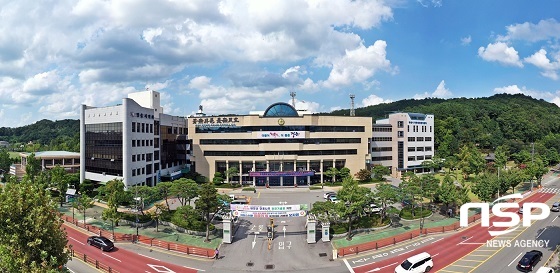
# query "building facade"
(402, 142)
(48, 159)
(279, 147)
(133, 141)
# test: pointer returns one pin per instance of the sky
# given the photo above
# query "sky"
(237, 56)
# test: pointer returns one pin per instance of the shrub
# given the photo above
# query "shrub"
(132, 217)
(406, 213)
(315, 187)
(249, 189)
(227, 185)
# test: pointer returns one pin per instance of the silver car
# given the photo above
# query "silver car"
(555, 207)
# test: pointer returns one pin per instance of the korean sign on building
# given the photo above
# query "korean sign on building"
(215, 121)
(281, 134)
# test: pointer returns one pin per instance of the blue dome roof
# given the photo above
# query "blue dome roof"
(280, 109)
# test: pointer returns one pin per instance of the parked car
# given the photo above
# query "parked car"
(333, 198)
(327, 194)
(101, 242)
(555, 207)
(373, 208)
(545, 270)
(418, 263)
(529, 260)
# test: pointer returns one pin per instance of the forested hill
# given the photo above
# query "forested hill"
(58, 135)
(514, 120)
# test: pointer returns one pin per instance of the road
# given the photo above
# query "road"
(444, 251)
(121, 260)
(504, 259)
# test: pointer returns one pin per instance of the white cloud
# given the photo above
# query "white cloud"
(293, 73)
(440, 92)
(427, 3)
(310, 106)
(543, 30)
(540, 60)
(359, 65)
(500, 52)
(374, 100)
(151, 33)
(556, 101)
(511, 89)
(200, 82)
(308, 85)
(466, 40)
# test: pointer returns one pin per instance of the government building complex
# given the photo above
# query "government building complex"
(281, 146)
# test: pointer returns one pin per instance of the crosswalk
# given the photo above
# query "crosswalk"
(550, 190)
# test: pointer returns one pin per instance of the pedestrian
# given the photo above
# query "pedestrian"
(450, 212)
(217, 255)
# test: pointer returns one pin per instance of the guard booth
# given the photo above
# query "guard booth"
(311, 226)
(326, 237)
(227, 223)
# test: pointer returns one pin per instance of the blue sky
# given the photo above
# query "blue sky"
(237, 56)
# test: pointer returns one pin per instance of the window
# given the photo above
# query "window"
(408, 128)
(156, 155)
(400, 134)
(400, 124)
(143, 142)
(411, 158)
(411, 149)
(428, 148)
(143, 170)
(143, 128)
(133, 159)
(143, 158)
(428, 157)
(430, 129)
(151, 128)
(420, 157)
(138, 127)
(133, 172)
(138, 142)
(151, 142)
(382, 139)
(411, 139)
(428, 139)
(149, 157)
(133, 143)
(133, 126)
(420, 149)
(419, 139)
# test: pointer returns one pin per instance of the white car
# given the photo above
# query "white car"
(327, 194)
(373, 208)
(545, 270)
(418, 263)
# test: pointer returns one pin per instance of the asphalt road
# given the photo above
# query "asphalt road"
(121, 260)
(444, 251)
(544, 232)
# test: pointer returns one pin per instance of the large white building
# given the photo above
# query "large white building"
(133, 141)
(402, 142)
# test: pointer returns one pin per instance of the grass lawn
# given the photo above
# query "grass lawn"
(14, 155)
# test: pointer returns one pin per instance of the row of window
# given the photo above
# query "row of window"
(112, 127)
(145, 157)
(312, 129)
(264, 153)
(415, 128)
(419, 149)
(382, 149)
(144, 170)
(290, 140)
(381, 158)
(383, 129)
(260, 166)
(420, 157)
(145, 143)
(382, 139)
(412, 139)
(141, 127)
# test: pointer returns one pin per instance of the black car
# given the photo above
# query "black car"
(101, 242)
(529, 260)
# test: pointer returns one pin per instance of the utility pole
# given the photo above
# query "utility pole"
(136, 200)
(532, 161)
(352, 111)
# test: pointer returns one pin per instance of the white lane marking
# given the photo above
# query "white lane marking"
(348, 266)
(365, 264)
(555, 218)
(148, 257)
(437, 240)
(77, 241)
(541, 233)
(405, 252)
(515, 258)
(111, 257)
(435, 254)
(194, 268)
(379, 268)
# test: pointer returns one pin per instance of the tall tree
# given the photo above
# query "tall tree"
(332, 172)
(363, 175)
(485, 186)
(379, 171)
(207, 203)
(31, 237)
(60, 182)
(87, 187)
(33, 167)
(164, 189)
(386, 194)
(5, 160)
(470, 160)
(344, 173)
(82, 203)
(353, 200)
(185, 190)
(231, 172)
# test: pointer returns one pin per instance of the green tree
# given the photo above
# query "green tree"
(218, 178)
(231, 172)
(363, 175)
(112, 215)
(448, 193)
(60, 182)
(485, 186)
(33, 167)
(5, 160)
(156, 212)
(87, 187)
(537, 169)
(386, 194)
(146, 195)
(344, 173)
(433, 164)
(501, 155)
(332, 172)
(325, 211)
(164, 189)
(379, 171)
(470, 160)
(353, 200)
(185, 190)
(207, 203)
(31, 237)
(82, 203)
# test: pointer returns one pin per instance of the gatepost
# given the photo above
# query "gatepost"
(311, 225)
(325, 231)
(227, 223)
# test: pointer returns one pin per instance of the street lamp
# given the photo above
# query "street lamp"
(136, 200)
